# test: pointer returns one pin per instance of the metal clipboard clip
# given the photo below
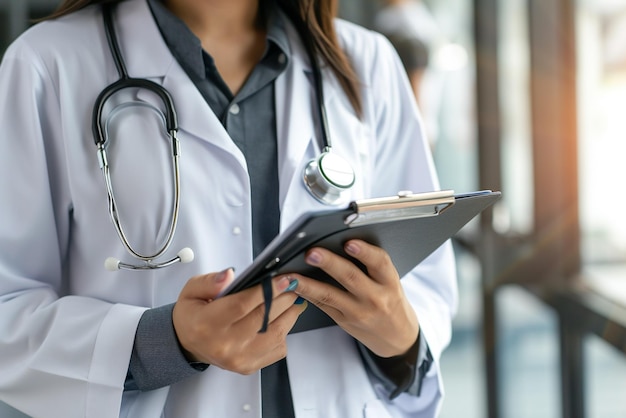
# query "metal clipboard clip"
(405, 205)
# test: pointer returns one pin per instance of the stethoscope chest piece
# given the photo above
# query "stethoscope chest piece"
(327, 178)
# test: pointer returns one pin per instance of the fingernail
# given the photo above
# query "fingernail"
(286, 284)
(314, 258)
(292, 286)
(353, 248)
(222, 275)
(299, 301)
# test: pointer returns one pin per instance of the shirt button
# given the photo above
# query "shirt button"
(236, 230)
(282, 58)
(247, 407)
(234, 109)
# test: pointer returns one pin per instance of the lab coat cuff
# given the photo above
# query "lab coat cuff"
(157, 359)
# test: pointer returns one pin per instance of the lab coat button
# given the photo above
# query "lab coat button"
(247, 407)
(236, 230)
(282, 58)
(234, 109)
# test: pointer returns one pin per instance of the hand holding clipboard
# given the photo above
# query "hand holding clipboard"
(408, 226)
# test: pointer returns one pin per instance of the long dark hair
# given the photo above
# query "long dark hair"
(314, 17)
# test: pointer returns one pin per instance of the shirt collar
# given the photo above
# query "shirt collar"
(277, 33)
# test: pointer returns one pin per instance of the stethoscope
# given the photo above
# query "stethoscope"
(327, 177)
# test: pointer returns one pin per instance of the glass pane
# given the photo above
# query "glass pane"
(448, 99)
(515, 214)
(601, 32)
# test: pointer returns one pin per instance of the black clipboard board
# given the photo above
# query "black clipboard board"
(408, 226)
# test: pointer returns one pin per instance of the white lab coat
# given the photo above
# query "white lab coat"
(67, 325)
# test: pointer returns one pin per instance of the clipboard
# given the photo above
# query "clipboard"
(408, 226)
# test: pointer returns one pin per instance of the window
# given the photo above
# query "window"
(601, 37)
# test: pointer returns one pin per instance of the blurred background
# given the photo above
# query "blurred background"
(527, 97)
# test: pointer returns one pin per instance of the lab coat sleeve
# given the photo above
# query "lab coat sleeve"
(60, 355)
(403, 162)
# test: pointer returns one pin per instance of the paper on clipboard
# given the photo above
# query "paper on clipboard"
(408, 226)
(403, 206)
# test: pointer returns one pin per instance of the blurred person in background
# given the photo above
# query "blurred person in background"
(415, 34)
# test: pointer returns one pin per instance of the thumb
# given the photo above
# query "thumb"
(207, 286)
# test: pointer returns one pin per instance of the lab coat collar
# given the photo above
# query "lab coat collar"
(142, 45)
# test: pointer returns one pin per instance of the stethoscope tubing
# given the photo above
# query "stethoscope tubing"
(319, 183)
(100, 134)
(113, 212)
(125, 82)
(171, 118)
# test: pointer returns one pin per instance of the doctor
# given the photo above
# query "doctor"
(77, 340)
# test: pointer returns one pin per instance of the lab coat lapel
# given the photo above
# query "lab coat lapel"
(295, 128)
(194, 114)
(147, 56)
(298, 126)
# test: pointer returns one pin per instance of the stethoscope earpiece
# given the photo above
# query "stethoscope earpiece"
(185, 255)
(328, 176)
